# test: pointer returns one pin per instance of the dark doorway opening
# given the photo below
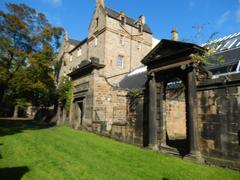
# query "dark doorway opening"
(80, 112)
(61, 113)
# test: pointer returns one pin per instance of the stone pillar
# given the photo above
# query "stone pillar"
(192, 114)
(152, 111)
(162, 124)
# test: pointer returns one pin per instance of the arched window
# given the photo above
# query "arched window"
(97, 22)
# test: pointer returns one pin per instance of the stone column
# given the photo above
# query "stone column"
(192, 114)
(162, 123)
(152, 111)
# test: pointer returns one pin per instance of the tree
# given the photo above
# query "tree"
(28, 44)
(65, 92)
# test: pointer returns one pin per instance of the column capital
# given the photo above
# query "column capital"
(151, 75)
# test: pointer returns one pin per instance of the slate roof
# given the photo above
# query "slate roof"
(227, 49)
(80, 43)
(74, 42)
(136, 79)
(130, 21)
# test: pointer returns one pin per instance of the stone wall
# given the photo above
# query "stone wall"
(110, 104)
(219, 120)
(119, 117)
(131, 131)
(176, 121)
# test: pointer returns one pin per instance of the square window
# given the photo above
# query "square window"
(140, 28)
(122, 20)
(120, 61)
(79, 51)
(96, 41)
(122, 42)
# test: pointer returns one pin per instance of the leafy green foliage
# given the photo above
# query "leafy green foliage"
(28, 44)
(208, 57)
(134, 93)
(65, 92)
(71, 154)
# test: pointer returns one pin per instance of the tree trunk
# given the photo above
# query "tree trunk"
(15, 114)
(2, 91)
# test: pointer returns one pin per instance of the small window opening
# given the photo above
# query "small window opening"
(122, 40)
(120, 61)
(96, 41)
(140, 28)
(122, 20)
(97, 22)
(79, 51)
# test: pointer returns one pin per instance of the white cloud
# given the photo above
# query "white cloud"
(55, 3)
(224, 17)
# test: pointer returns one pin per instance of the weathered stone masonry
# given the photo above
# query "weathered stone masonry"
(176, 113)
(219, 116)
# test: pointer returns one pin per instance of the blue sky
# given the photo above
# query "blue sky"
(195, 20)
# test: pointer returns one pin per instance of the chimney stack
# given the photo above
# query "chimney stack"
(142, 19)
(174, 34)
(99, 3)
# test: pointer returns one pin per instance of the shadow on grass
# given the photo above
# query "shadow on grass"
(0, 154)
(13, 173)
(10, 127)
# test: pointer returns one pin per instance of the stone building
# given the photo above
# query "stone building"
(182, 109)
(115, 46)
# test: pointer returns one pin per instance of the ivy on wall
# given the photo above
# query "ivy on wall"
(135, 93)
(65, 92)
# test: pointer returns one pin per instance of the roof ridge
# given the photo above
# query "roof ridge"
(71, 39)
(119, 13)
(130, 21)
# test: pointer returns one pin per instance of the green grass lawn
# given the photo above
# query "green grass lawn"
(33, 151)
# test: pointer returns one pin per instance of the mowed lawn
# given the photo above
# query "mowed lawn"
(32, 151)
